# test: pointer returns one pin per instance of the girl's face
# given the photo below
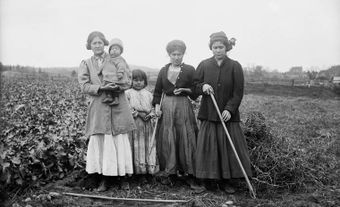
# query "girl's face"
(97, 46)
(138, 83)
(219, 50)
(176, 57)
(115, 51)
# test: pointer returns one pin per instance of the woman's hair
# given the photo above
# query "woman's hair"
(94, 34)
(141, 75)
(176, 45)
(222, 37)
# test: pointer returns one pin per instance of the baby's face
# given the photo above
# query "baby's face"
(115, 51)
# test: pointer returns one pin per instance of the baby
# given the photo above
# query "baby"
(120, 74)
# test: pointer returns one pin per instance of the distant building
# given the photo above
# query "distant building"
(336, 81)
(296, 73)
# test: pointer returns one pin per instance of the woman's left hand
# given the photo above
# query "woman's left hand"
(178, 91)
(226, 115)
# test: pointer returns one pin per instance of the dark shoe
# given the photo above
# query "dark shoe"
(210, 185)
(124, 185)
(194, 186)
(227, 189)
(91, 181)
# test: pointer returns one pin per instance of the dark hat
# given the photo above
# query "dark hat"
(221, 36)
(94, 34)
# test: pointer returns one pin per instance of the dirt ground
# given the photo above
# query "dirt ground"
(52, 195)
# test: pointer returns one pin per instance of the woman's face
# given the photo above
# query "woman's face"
(219, 50)
(97, 46)
(176, 57)
(138, 83)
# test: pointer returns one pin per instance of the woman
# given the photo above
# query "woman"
(177, 131)
(108, 152)
(222, 77)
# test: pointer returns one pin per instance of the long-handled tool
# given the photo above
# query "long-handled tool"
(124, 199)
(155, 128)
(252, 192)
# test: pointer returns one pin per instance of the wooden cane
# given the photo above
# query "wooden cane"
(252, 192)
(154, 130)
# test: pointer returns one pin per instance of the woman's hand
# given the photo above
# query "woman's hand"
(149, 116)
(207, 89)
(110, 87)
(178, 91)
(226, 115)
(158, 110)
(134, 113)
(142, 115)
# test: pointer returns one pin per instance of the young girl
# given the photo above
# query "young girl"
(140, 101)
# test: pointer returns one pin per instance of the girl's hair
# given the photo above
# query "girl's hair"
(176, 45)
(139, 74)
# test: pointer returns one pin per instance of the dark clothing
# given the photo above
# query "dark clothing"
(184, 80)
(214, 155)
(215, 158)
(176, 136)
(227, 81)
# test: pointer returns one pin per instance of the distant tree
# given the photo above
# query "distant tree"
(258, 71)
(312, 74)
(73, 74)
(1, 67)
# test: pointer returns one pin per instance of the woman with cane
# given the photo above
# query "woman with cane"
(220, 78)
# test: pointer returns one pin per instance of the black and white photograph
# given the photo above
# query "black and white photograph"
(169, 103)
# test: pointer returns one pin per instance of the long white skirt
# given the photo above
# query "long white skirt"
(109, 155)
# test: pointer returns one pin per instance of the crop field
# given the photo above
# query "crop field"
(293, 138)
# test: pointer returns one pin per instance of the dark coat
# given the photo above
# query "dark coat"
(184, 80)
(228, 83)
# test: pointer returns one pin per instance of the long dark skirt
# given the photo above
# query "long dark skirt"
(215, 158)
(176, 136)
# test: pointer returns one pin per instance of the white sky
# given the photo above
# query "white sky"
(277, 34)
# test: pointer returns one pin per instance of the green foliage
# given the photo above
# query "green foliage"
(41, 130)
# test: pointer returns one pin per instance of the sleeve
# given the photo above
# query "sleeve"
(157, 94)
(233, 104)
(128, 97)
(198, 80)
(123, 68)
(85, 82)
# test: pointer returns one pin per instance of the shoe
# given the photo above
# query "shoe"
(125, 185)
(228, 189)
(102, 186)
(91, 181)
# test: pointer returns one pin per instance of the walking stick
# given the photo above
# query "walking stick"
(154, 130)
(252, 192)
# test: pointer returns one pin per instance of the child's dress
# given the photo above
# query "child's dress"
(144, 162)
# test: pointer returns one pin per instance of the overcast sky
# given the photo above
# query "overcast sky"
(275, 34)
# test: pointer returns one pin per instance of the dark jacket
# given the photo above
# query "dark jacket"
(228, 83)
(184, 80)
